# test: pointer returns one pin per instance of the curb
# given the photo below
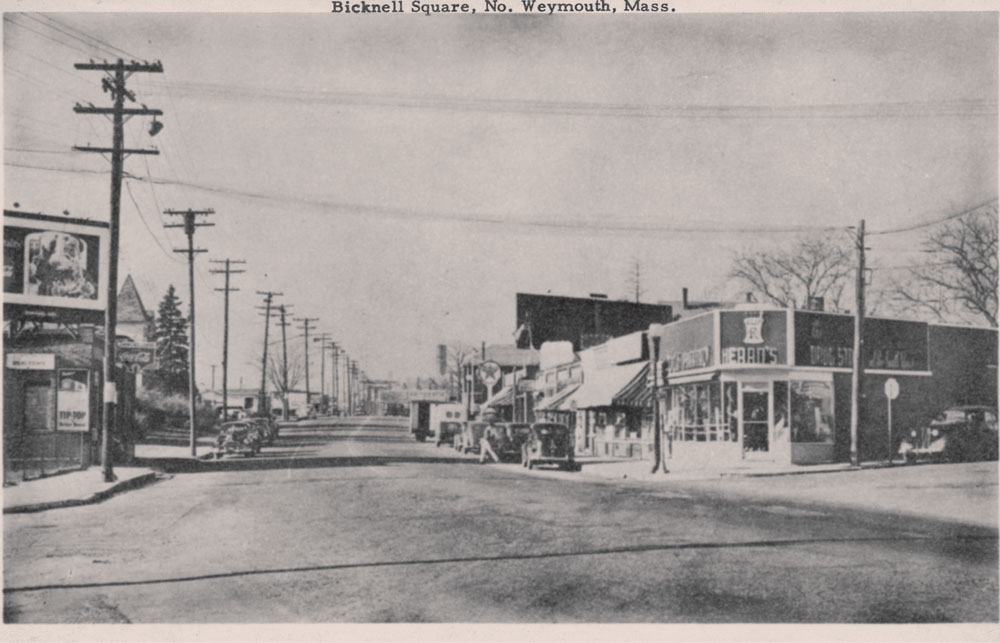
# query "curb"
(100, 496)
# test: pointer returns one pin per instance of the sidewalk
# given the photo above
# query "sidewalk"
(72, 489)
(965, 493)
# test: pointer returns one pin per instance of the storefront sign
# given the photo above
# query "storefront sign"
(73, 400)
(756, 337)
(686, 345)
(525, 386)
(52, 265)
(135, 355)
(432, 395)
(31, 361)
(828, 340)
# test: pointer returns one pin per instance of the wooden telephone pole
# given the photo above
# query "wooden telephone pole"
(857, 373)
(322, 339)
(225, 328)
(114, 82)
(284, 362)
(305, 327)
(189, 226)
(269, 296)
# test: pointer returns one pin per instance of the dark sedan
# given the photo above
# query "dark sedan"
(959, 434)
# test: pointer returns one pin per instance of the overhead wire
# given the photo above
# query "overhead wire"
(934, 221)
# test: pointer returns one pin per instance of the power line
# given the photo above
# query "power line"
(927, 224)
(142, 218)
(974, 107)
(108, 47)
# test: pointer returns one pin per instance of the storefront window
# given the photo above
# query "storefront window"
(812, 411)
(732, 416)
(696, 413)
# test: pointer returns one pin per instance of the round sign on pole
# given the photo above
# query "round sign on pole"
(891, 388)
(489, 373)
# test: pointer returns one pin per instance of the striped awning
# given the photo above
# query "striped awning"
(504, 398)
(555, 403)
(603, 385)
(637, 392)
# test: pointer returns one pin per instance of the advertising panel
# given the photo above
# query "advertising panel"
(73, 400)
(891, 344)
(686, 345)
(753, 337)
(53, 265)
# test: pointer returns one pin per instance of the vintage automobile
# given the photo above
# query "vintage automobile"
(268, 428)
(549, 443)
(240, 437)
(468, 440)
(959, 434)
(515, 435)
(447, 431)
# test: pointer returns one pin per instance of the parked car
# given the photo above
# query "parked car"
(230, 413)
(549, 443)
(468, 440)
(447, 432)
(268, 428)
(241, 437)
(959, 434)
(515, 435)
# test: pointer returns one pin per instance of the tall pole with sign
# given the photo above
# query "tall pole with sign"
(114, 81)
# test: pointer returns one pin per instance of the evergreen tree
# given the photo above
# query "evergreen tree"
(171, 345)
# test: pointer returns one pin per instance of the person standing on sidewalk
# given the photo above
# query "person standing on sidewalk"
(491, 439)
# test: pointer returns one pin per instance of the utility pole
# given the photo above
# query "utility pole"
(189, 226)
(284, 364)
(322, 368)
(213, 377)
(347, 373)
(225, 330)
(352, 384)
(335, 375)
(269, 296)
(305, 327)
(114, 82)
(857, 373)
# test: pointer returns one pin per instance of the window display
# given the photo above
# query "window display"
(812, 411)
(696, 414)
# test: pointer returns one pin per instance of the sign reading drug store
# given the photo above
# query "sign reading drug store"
(890, 344)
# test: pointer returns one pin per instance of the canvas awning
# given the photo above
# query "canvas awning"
(504, 398)
(637, 392)
(602, 386)
(556, 402)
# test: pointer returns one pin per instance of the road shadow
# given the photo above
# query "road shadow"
(287, 460)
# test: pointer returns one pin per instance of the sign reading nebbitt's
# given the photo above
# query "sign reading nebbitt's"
(54, 268)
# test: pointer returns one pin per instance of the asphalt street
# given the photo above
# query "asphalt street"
(360, 523)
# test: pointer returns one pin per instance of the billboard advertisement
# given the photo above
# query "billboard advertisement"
(54, 265)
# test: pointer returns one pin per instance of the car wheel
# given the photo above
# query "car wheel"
(421, 438)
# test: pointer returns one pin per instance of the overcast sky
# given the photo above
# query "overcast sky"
(401, 177)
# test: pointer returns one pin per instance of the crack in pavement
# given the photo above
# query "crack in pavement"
(499, 558)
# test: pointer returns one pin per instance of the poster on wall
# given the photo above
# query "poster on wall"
(73, 400)
(53, 266)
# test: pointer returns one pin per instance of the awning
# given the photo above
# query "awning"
(602, 386)
(556, 402)
(636, 393)
(504, 398)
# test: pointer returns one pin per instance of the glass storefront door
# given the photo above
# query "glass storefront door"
(756, 420)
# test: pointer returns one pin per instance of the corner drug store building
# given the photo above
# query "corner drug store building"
(775, 384)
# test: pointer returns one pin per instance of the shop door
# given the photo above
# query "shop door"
(756, 421)
(38, 407)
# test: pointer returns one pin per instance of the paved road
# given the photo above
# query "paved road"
(359, 523)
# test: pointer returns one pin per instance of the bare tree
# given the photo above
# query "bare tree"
(296, 372)
(459, 354)
(790, 277)
(958, 282)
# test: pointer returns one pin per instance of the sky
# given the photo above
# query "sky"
(402, 177)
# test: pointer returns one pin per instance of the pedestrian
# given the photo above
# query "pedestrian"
(490, 440)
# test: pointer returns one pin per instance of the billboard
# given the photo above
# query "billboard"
(54, 268)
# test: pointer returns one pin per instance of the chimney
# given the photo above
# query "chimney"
(684, 298)
(750, 298)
